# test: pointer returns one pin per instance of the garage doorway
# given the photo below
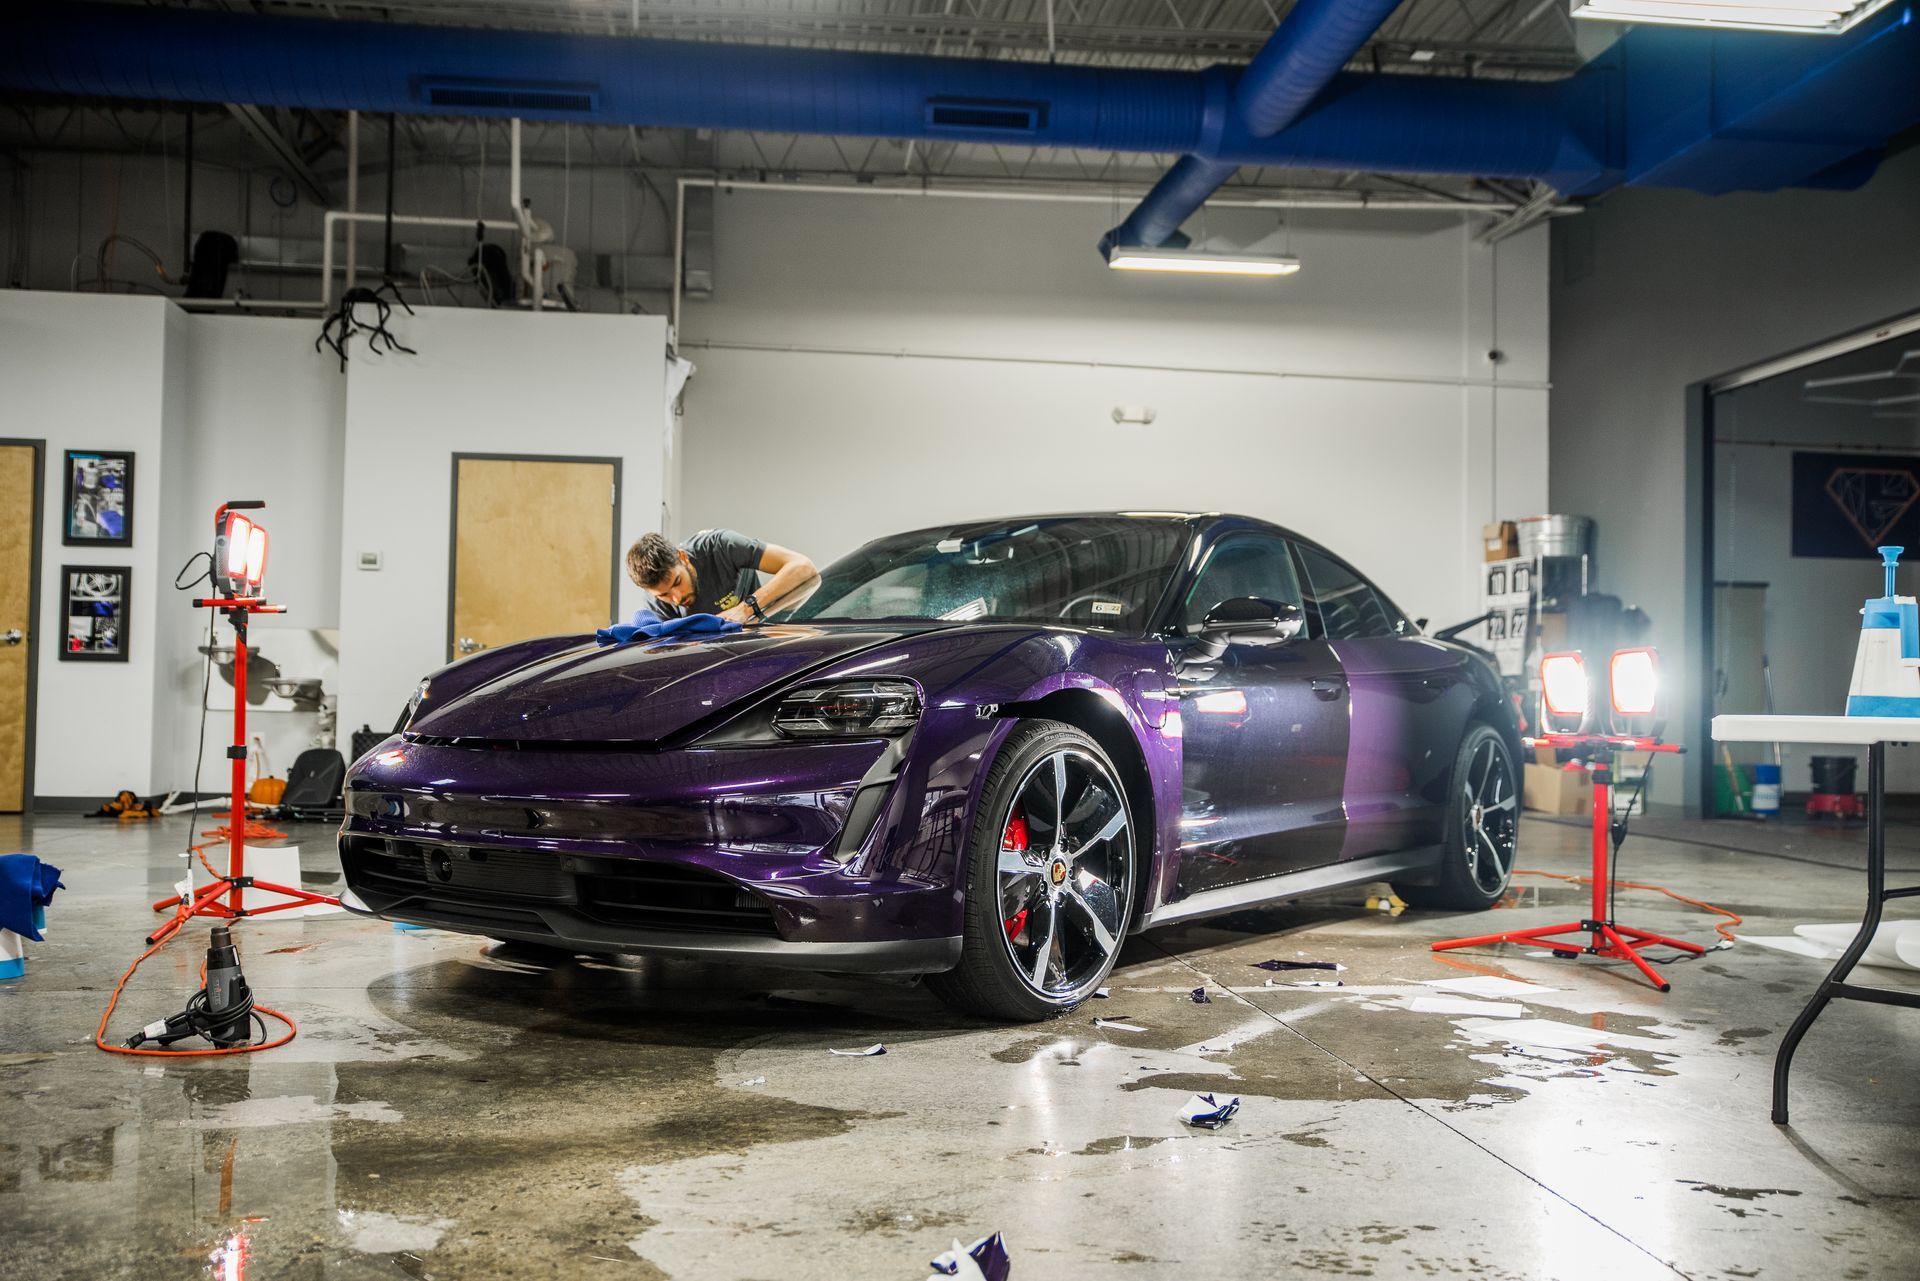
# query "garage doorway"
(535, 548)
(1810, 461)
(22, 465)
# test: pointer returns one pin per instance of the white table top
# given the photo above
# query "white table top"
(1856, 730)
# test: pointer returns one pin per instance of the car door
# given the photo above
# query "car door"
(1264, 731)
(1410, 700)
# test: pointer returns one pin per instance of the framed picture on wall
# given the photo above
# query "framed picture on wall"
(99, 506)
(96, 610)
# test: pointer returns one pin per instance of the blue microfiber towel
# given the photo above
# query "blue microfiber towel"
(25, 884)
(647, 625)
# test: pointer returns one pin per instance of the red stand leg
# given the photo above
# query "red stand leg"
(1605, 937)
(232, 886)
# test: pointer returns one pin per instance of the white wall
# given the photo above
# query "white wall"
(89, 373)
(869, 365)
(1654, 291)
(220, 407)
(265, 417)
(483, 382)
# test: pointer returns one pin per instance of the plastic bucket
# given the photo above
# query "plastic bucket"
(1766, 788)
(1833, 775)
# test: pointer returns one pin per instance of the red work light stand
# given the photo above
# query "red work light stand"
(1605, 936)
(232, 886)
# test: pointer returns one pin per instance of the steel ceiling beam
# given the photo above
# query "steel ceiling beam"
(283, 152)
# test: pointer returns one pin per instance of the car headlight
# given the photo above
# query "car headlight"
(848, 709)
(414, 704)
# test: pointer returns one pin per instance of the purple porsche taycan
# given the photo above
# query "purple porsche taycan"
(983, 752)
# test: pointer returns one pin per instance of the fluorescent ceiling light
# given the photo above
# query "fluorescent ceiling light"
(1138, 258)
(1821, 17)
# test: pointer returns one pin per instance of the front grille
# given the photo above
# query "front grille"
(456, 871)
(664, 896)
(627, 893)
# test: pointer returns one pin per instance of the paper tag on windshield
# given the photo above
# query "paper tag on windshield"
(948, 546)
(1108, 607)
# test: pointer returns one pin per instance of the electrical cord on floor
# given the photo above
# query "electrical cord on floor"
(254, 1011)
(216, 836)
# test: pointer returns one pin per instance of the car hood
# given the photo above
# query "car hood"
(640, 692)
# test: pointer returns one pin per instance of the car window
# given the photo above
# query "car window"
(1341, 604)
(1242, 565)
(1088, 571)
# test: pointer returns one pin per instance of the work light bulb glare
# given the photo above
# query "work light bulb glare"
(256, 554)
(1635, 681)
(239, 529)
(1563, 680)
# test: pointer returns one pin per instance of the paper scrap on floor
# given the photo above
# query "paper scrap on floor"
(1465, 1005)
(1488, 985)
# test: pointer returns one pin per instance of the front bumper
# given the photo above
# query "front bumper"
(559, 928)
(739, 855)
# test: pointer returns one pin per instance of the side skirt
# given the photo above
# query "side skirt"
(1275, 889)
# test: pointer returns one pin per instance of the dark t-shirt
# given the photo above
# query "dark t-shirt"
(726, 568)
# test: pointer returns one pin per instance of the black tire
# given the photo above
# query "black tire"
(1012, 965)
(1483, 827)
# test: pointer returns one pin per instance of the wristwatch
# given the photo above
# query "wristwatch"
(753, 603)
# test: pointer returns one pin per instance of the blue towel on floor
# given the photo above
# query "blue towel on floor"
(647, 625)
(25, 884)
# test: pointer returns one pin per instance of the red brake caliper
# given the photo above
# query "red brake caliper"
(1015, 838)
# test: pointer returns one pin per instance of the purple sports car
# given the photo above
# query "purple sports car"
(982, 752)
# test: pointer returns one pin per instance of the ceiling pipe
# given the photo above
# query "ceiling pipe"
(1308, 49)
(1683, 109)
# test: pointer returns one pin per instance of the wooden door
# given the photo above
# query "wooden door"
(20, 499)
(535, 549)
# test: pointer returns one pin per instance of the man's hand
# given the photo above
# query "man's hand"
(738, 614)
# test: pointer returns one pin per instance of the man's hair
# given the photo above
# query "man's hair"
(651, 560)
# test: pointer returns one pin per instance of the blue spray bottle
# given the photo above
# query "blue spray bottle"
(1886, 669)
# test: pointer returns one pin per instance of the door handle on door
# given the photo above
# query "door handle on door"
(1325, 689)
(469, 645)
(11, 636)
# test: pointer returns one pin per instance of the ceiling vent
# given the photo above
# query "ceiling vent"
(517, 96)
(973, 114)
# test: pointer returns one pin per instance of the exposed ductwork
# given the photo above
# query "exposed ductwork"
(1311, 45)
(1705, 111)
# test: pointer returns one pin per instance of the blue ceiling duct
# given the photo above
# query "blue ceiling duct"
(1709, 112)
(1311, 45)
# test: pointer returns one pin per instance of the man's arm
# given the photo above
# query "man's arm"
(790, 570)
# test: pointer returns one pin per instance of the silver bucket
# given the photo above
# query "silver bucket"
(1544, 536)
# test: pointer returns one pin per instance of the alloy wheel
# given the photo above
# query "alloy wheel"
(1065, 860)
(1490, 816)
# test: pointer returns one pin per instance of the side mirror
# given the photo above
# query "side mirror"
(1247, 618)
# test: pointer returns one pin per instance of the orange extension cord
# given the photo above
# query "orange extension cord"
(217, 836)
(1724, 930)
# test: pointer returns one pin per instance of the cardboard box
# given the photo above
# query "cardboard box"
(1544, 754)
(1558, 791)
(1501, 540)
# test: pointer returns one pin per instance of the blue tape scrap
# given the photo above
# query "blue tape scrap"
(1205, 1112)
(984, 1260)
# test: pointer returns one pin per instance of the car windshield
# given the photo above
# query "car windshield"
(1083, 571)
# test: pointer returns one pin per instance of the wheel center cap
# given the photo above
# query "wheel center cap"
(1057, 873)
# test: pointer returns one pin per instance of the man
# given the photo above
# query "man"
(717, 571)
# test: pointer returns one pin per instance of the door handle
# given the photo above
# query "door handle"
(469, 645)
(11, 636)
(1325, 689)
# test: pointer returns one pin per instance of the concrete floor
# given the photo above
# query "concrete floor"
(450, 1110)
